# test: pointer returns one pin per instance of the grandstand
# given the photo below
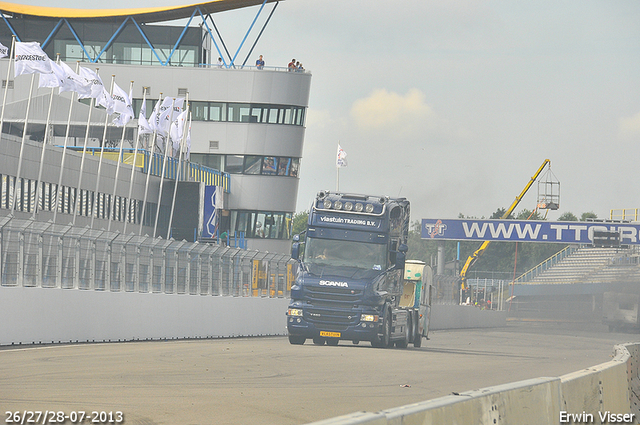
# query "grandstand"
(572, 284)
(586, 265)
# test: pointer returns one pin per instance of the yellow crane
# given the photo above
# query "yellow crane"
(478, 252)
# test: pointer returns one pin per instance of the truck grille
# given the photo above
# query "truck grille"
(328, 293)
(332, 320)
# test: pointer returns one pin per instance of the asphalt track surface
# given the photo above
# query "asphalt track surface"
(268, 381)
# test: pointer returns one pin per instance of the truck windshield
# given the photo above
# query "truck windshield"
(334, 253)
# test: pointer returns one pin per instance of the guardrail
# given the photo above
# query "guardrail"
(254, 68)
(144, 160)
(47, 255)
(607, 393)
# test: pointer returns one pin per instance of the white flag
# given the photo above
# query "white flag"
(4, 51)
(93, 80)
(121, 106)
(30, 58)
(162, 115)
(143, 124)
(74, 82)
(98, 91)
(55, 78)
(177, 130)
(341, 160)
(105, 101)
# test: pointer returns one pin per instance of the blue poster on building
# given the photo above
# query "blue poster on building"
(580, 232)
(212, 203)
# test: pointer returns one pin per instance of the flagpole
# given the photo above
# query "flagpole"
(6, 86)
(84, 156)
(338, 169)
(175, 187)
(164, 166)
(133, 168)
(24, 135)
(188, 147)
(64, 153)
(104, 139)
(146, 185)
(44, 147)
(120, 159)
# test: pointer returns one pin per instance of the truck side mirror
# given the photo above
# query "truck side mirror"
(295, 250)
(295, 247)
(401, 256)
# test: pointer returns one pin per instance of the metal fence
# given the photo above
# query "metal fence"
(47, 255)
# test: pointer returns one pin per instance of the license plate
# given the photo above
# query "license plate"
(330, 334)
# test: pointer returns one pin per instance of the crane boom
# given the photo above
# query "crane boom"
(478, 252)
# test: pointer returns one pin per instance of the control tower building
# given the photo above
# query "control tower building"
(247, 130)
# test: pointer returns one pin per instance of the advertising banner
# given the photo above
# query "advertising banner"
(580, 232)
(212, 203)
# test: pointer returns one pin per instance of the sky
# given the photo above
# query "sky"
(455, 104)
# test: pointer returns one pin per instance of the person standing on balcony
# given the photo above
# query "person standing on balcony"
(260, 63)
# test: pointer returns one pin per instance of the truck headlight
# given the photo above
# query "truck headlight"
(368, 317)
(295, 312)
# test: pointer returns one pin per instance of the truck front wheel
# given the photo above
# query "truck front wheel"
(384, 340)
(296, 339)
(386, 336)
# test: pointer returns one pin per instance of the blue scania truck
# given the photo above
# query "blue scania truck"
(353, 282)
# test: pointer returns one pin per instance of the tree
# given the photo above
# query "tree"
(300, 222)
(587, 215)
(525, 214)
(568, 216)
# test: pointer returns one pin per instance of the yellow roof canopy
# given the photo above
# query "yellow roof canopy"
(147, 14)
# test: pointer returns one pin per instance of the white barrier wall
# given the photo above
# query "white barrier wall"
(45, 315)
(607, 393)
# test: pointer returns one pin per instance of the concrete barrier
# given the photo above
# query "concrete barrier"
(49, 315)
(46, 315)
(607, 393)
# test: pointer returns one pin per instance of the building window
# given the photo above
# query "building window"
(252, 164)
(262, 224)
(234, 164)
(269, 165)
(217, 111)
(245, 112)
(284, 165)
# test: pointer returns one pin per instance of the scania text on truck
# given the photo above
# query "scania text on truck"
(353, 282)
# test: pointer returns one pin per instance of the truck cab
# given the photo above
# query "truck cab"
(350, 280)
